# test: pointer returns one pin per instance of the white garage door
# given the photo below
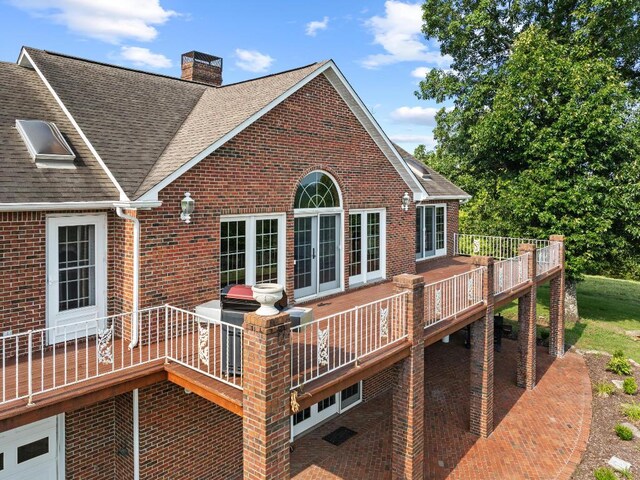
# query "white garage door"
(30, 452)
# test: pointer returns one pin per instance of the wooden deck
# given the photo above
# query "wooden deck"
(59, 386)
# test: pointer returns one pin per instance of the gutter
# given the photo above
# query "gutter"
(52, 206)
(136, 273)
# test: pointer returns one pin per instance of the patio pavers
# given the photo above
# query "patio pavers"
(540, 434)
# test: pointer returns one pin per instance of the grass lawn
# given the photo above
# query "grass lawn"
(608, 307)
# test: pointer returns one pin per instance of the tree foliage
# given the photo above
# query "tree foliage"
(545, 133)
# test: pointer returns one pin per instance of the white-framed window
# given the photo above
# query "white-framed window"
(367, 242)
(431, 231)
(252, 249)
(76, 272)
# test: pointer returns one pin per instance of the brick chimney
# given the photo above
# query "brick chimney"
(202, 68)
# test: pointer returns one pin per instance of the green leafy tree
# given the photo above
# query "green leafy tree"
(545, 129)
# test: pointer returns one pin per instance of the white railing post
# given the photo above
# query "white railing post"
(166, 333)
(357, 333)
(30, 367)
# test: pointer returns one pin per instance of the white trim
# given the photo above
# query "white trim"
(23, 54)
(250, 243)
(448, 197)
(98, 310)
(40, 206)
(152, 193)
(61, 440)
(366, 276)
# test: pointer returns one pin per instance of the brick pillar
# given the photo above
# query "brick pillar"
(527, 312)
(556, 305)
(266, 376)
(481, 381)
(408, 392)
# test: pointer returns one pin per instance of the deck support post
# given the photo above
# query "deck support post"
(482, 353)
(266, 379)
(408, 392)
(556, 305)
(527, 315)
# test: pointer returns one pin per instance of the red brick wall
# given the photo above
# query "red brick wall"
(89, 449)
(123, 436)
(258, 171)
(380, 383)
(23, 268)
(185, 436)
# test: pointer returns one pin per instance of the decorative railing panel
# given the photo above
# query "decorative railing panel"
(324, 345)
(46, 359)
(547, 258)
(510, 273)
(499, 248)
(447, 298)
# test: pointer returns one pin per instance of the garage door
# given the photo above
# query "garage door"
(30, 452)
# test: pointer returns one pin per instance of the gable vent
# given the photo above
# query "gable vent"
(46, 144)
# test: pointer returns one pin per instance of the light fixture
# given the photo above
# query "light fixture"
(406, 200)
(188, 204)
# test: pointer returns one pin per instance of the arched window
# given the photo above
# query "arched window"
(317, 190)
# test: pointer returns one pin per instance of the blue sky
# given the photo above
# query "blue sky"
(376, 44)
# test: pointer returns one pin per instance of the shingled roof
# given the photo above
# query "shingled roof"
(435, 184)
(24, 96)
(145, 129)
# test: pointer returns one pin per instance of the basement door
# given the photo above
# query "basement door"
(30, 452)
(316, 254)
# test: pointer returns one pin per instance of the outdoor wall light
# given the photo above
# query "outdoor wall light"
(188, 204)
(406, 200)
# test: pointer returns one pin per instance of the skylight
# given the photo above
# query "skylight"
(46, 144)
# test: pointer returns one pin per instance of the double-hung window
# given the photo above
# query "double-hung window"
(252, 249)
(367, 245)
(431, 231)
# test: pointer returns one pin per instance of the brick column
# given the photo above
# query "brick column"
(408, 392)
(266, 376)
(556, 305)
(481, 381)
(527, 312)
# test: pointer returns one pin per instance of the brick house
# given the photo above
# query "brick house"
(129, 201)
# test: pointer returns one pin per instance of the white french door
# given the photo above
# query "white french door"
(76, 274)
(367, 242)
(317, 263)
(431, 231)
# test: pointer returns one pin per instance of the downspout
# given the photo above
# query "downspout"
(136, 273)
(136, 437)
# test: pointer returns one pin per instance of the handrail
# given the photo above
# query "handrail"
(499, 248)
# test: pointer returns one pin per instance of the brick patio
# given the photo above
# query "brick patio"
(540, 434)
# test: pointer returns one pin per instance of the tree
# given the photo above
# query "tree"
(545, 133)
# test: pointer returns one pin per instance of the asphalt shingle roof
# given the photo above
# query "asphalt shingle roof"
(435, 184)
(24, 96)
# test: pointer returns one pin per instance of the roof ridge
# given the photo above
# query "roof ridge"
(275, 74)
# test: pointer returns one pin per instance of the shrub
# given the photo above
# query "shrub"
(629, 386)
(624, 433)
(604, 473)
(604, 389)
(618, 364)
(618, 353)
(631, 411)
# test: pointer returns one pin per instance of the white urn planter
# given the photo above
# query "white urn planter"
(267, 294)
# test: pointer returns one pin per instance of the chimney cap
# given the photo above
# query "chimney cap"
(199, 57)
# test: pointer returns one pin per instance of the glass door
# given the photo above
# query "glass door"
(316, 254)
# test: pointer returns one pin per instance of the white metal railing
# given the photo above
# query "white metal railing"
(446, 298)
(547, 258)
(209, 346)
(499, 248)
(324, 345)
(510, 273)
(46, 359)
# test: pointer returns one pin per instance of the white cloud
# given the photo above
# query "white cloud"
(399, 33)
(253, 61)
(108, 20)
(143, 57)
(415, 115)
(420, 72)
(313, 27)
